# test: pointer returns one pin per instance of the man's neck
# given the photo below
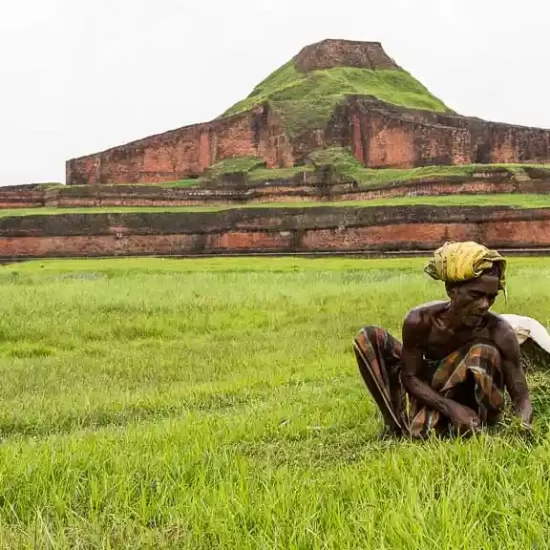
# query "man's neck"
(452, 319)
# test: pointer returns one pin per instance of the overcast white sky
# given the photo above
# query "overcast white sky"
(79, 76)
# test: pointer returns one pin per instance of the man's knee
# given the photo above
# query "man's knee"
(370, 329)
(485, 352)
(371, 332)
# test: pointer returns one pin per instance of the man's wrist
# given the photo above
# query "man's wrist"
(524, 409)
(447, 407)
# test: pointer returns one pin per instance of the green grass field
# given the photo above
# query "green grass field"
(215, 403)
(515, 200)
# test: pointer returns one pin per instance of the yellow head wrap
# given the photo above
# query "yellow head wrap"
(457, 262)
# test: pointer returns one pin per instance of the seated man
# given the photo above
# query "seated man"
(457, 357)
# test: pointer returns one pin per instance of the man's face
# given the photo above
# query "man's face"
(473, 299)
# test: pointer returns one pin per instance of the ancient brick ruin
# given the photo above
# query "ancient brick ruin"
(379, 134)
(268, 230)
(383, 136)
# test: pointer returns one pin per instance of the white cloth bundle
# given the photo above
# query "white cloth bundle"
(525, 328)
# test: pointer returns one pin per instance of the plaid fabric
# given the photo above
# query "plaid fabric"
(471, 376)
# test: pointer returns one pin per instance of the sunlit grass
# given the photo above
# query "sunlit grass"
(216, 403)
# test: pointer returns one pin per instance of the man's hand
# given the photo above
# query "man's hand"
(463, 418)
(524, 411)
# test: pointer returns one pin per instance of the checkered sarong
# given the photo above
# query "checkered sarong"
(470, 375)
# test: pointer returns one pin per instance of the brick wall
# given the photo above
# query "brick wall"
(344, 53)
(187, 152)
(385, 136)
(269, 230)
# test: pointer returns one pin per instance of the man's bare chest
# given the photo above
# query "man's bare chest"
(441, 341)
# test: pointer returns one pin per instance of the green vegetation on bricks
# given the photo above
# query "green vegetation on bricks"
(306, 100)
(254, 167)
(232, 165)
(343, 162)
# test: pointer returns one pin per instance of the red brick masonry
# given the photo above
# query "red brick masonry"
(269, 230)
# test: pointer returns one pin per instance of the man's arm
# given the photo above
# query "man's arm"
(413, 336)
(514, 376)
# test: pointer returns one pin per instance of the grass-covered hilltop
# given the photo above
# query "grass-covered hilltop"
(305, 91)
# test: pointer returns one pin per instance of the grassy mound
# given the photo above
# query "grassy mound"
(232, 165)
(254, 167)
(267, 174)
(306, 100)
(222, 408)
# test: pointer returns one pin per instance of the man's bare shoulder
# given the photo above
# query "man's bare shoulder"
(501, 331)
(419, 318)
(424, 312)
